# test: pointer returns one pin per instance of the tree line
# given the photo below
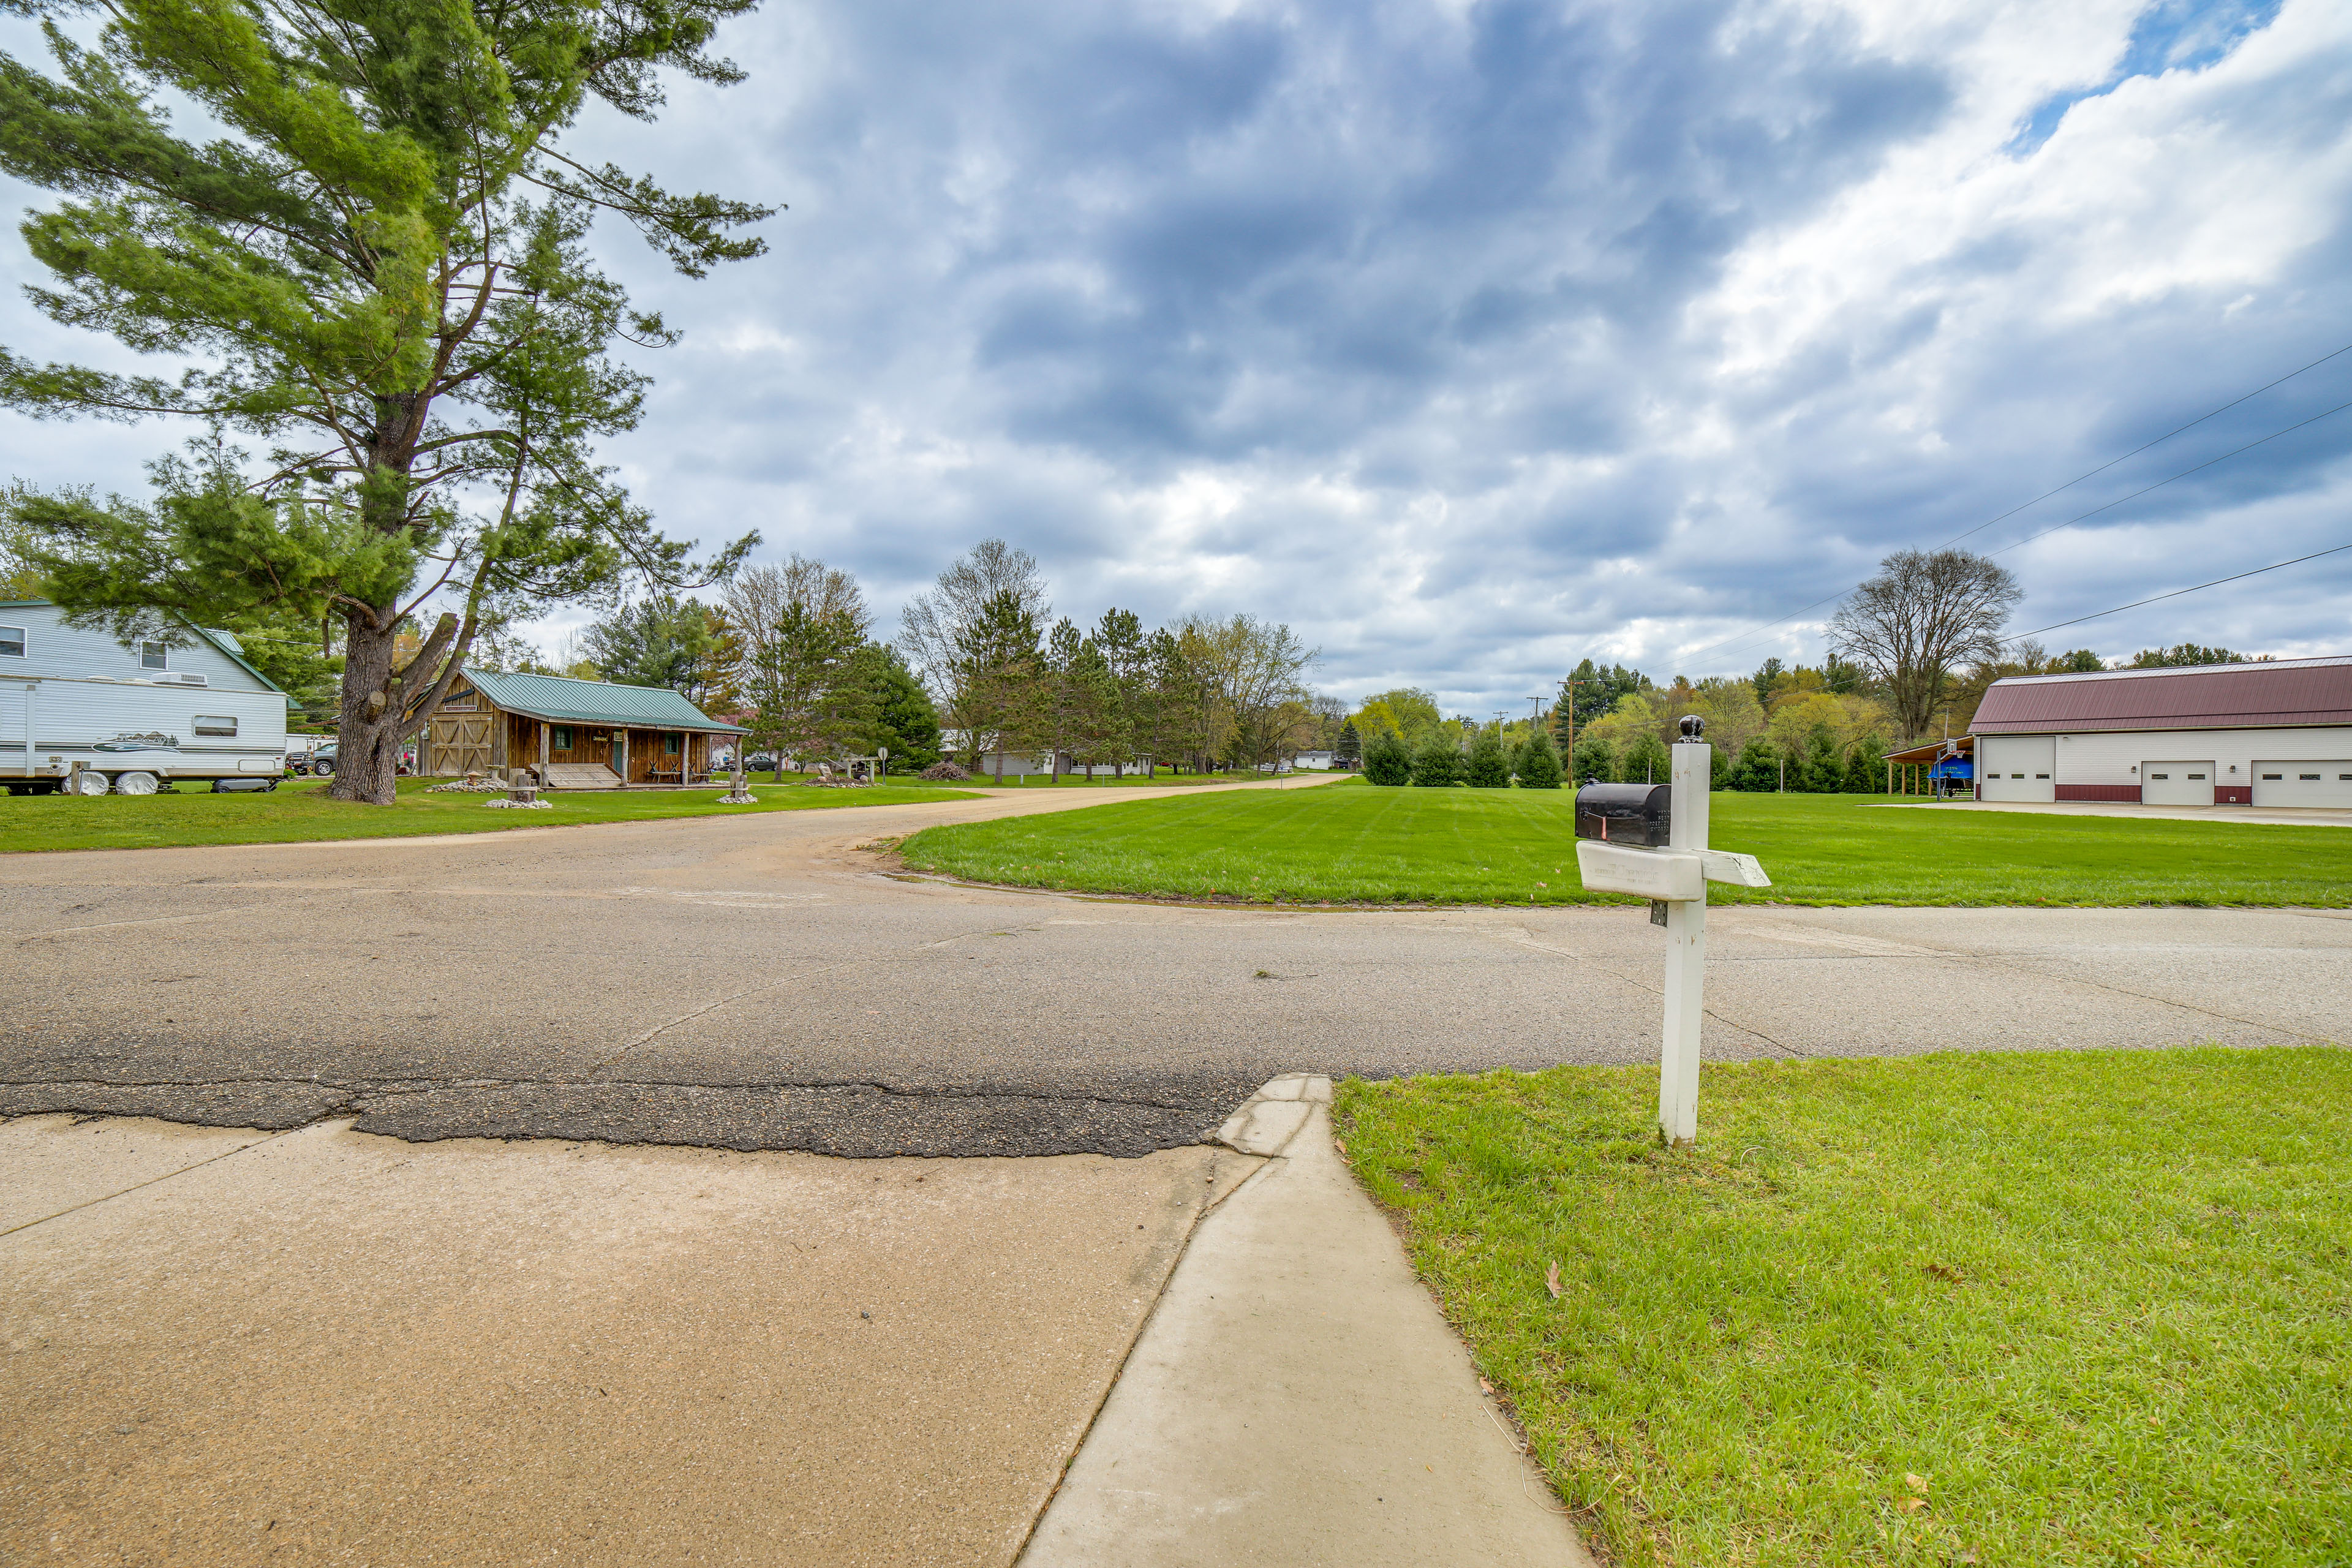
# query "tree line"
(1202, 693)
(981, 671)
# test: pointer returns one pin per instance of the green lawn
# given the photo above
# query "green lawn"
(1350, 842)
(982, 780)
(2079, 1307)
(302, 810)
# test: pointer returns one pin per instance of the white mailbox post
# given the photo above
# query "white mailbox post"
(1675, 876)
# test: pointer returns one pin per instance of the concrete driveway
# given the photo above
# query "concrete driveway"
(763, 982)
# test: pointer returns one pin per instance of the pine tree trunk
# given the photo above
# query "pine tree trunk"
(367, 750)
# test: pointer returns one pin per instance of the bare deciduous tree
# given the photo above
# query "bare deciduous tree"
(1254, 671)
(758, 597)
(937, 629)
(1923, 615)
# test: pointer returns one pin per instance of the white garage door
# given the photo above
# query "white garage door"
(2303, 784)
(2176, 783)
(2017, 767)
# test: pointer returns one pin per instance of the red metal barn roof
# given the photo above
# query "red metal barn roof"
(2210, 697)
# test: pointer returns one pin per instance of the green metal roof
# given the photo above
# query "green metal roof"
(569, 701)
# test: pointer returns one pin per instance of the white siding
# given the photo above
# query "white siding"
(53, 647)
(69, 715)
(2115, 756)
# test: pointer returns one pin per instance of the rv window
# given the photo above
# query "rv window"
(12, 641)
(151, 655)
(215, 723)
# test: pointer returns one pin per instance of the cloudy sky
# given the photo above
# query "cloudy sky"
(1474, 339)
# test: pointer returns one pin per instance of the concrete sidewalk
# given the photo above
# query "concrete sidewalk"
(1297, 1399)
(229, 1346)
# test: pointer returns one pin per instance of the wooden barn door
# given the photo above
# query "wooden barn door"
(461, 744)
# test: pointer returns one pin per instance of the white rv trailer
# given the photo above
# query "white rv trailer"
(81, 711)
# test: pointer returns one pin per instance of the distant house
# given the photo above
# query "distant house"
(571, 734)
(2268, 734)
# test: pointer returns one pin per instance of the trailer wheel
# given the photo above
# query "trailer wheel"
(134, 783)
(92, 782)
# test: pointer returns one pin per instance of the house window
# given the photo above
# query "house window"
(215, 723)
(153, 656)
(670, 744)
(12, 642)
(560, 738)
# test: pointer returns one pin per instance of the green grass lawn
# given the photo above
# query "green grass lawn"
(2079, 1307)
(982, 780)
(1351, 842)
(302, 810)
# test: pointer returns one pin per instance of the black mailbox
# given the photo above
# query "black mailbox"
(1635, 814)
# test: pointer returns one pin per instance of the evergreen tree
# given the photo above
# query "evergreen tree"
(378, 263)
(1438, 763)
(1350, 749)
(1537, 763)
(1594, 759)
(1386, 761)
(661, 641)
(1757, 767)
(1002, 675)
(1647, 762)
(1758, 771)
(902, 715)
(797, 686)
(1101, 734)
(1823, 769)
(1487, 767)
(1865, 769)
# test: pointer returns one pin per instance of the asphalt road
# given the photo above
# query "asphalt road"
(761, 983)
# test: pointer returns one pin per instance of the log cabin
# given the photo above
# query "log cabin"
(570, 735)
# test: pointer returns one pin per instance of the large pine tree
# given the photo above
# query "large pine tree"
(377, 265)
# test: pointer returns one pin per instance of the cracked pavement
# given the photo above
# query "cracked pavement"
(763, 982)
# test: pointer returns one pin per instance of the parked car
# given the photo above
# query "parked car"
(321, 763)
(760, 763)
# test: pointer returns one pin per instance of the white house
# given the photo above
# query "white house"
(80, 711)
(2271, 734)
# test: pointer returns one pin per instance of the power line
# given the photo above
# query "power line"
(2161, 483)
(2216, 582)
(2103, 468)
(2135, 451)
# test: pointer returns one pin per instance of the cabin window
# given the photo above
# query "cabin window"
(215, 723)
(154, 656)
(12, 642)
(671, 743)
(560, 738)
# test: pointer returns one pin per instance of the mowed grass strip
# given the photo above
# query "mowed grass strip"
(2054, 1309)
(1351, 843)
(299, 811)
